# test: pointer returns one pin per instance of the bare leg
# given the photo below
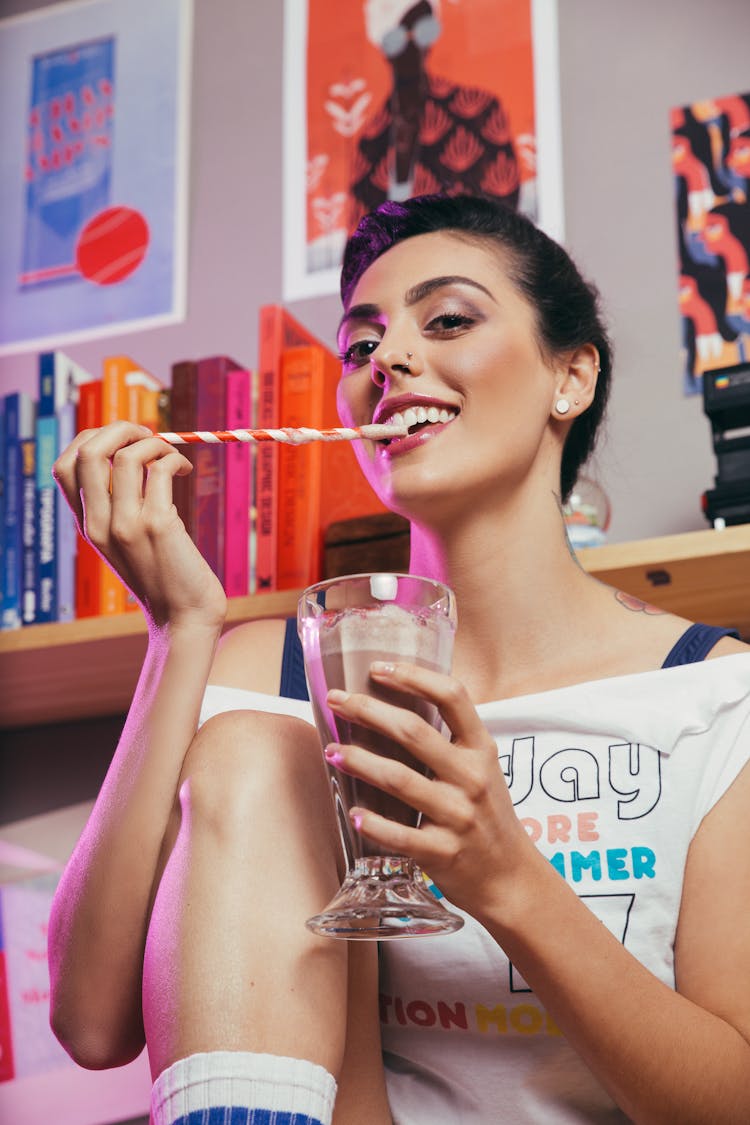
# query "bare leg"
(229, 963)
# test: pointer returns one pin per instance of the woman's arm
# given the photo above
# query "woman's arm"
(664, 1056)
(100, 912)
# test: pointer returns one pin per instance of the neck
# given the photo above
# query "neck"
(519, 591)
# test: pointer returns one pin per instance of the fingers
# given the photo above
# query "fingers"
(93, 471)
(411, 731)
(160, 474)
(391, 837)
(142, 475)
(391, 776)
(102, 473)
(448, 695)
(64, 473)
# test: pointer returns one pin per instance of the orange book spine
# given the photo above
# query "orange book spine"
(302, 375)
(344, 490)
(115, 407)
(88, 563)
(277, 330)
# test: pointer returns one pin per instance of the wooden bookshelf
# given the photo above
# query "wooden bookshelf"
(88, 668)
(702, 575)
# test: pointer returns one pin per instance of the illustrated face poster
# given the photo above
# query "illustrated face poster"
(92, 169)
(711, 161)
(385, 99)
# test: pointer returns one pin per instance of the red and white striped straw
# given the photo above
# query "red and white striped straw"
(289, 435)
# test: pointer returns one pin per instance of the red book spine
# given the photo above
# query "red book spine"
(88, 563)
(208, 495)
(237, 495)
(183, 400)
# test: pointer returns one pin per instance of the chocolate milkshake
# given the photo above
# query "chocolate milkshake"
(339, 649)
(345, 624)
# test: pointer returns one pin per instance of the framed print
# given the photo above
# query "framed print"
(385, 99)
(93, 170)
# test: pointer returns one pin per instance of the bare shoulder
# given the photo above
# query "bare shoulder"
(249, 656)
(728, 646)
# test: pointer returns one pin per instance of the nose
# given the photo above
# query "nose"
(394, 362)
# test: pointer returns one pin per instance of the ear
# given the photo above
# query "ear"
(575, 382)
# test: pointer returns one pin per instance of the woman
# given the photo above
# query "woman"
(627, 776)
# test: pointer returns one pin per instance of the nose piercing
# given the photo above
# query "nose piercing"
(409, 355)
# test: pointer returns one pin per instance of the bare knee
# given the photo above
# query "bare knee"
(248, 767)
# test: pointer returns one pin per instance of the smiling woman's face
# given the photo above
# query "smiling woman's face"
(436, 324)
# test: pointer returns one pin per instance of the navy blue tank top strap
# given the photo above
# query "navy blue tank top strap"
(293, 684)
(693, 646)
(696, 643)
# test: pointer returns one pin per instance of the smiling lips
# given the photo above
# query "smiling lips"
(420, 422)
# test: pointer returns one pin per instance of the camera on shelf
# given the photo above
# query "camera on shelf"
(726, 403)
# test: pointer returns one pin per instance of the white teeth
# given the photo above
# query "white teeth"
(415, 415)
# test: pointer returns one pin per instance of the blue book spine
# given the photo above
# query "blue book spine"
(46, 452)
(28, 531)
(19, 424)
(66, 531)
(47, 383)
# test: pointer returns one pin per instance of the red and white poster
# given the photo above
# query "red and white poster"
(93, 171)
(385, 99)
(711, 162)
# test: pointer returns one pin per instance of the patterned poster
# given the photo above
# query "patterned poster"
(711, 161)
(386, 99)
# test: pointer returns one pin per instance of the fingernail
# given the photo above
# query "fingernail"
(357, 822)
(334, 757)
(382, 667)
(335, 695)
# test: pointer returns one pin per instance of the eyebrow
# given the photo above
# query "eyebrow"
(413, 296)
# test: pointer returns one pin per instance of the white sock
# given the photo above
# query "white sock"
(253, 1089)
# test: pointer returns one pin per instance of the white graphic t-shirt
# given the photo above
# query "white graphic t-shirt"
(611, 779)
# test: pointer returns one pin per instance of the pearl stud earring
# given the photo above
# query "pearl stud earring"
(562, 406)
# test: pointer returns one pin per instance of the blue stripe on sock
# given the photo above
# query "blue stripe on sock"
(239, 1115)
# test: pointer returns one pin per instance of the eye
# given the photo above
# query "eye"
(450, 322)
(358, 353)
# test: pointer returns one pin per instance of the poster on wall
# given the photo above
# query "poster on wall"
(711, 162)
(93, 170)
(384, 99)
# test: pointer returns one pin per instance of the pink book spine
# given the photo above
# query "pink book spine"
(267, 457)
(237, 496)
(7, 1067)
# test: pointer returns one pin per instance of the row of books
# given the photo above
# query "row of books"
(258, 514)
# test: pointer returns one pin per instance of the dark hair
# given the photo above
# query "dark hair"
(567, 307)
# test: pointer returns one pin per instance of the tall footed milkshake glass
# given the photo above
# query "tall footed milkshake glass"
(344, 625)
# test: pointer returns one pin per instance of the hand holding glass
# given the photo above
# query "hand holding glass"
(344, 625)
